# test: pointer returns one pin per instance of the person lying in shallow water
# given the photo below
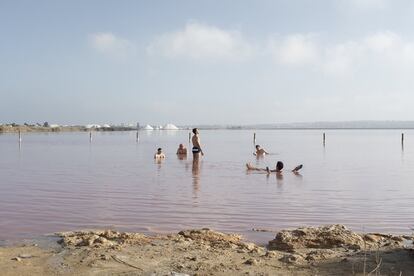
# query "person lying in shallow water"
(278, 168)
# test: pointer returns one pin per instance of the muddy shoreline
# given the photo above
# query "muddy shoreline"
(325, 250)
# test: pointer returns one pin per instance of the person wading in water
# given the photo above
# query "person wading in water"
(196, 144)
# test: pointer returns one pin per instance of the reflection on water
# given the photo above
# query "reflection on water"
(61, 181)
(279, 177)
(298, 175)
(196, 174)
(182, 156)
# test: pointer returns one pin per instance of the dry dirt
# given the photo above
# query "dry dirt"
(329, 250)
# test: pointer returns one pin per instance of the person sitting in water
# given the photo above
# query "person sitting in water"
(181, 150)
(278, 169)
(159, 154)
(260, 151)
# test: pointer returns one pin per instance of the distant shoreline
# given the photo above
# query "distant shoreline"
(17, 129)
(39, 129)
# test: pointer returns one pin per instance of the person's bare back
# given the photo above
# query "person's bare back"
(260, 151)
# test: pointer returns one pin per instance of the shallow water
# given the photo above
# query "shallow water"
(61, 181)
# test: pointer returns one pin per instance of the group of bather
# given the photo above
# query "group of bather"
(197, 151)
(182, 151)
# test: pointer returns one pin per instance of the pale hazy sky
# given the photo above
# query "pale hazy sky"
(206, 62)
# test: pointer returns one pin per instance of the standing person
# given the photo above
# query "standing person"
(196, 144)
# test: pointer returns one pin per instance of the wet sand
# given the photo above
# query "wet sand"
(331, 250)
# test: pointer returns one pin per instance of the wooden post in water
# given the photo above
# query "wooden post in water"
(90, 136)
(402, 138)
(254, 138)
(137, 136)
(189, 137)
(20, 137)
(324, 138)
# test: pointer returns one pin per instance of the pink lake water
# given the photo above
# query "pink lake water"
(60, 181)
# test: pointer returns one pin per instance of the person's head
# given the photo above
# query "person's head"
(195, 130)
(181, 146)
(279, 166)
(257, 147)
(159, 150)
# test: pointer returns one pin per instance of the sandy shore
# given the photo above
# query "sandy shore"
(330, 250)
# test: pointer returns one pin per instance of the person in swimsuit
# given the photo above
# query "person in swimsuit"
(181, 150)
(277, 170)
(159, 154)
(196, 143)
(260, 151)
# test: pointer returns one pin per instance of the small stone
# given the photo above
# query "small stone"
(373, 238)
(25, 256)
(249, 246)
(104, 257)
(251, 262)
(17, 259)
(271, 254)
(291, 258)
(257, 250)
(397, 239)
(193, 258)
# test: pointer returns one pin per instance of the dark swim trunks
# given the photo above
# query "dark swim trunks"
(196, 150)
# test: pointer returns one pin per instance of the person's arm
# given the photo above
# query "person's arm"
(199, 146)
(297, 168)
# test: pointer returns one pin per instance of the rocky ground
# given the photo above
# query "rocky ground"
(328, 250)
